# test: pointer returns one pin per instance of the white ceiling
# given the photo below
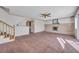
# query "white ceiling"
(35, 11)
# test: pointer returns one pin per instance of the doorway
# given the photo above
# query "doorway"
(30, 24)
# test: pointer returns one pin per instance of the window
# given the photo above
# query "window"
(55, 21)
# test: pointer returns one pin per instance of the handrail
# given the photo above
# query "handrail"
(6, 23)
(8, 29)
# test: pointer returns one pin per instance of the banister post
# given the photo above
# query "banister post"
(14, 31)
(3, 28)
(7, 29)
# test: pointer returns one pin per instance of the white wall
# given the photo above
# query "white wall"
(48, 22)
(77, 26)
(21, 30)
(38, 26)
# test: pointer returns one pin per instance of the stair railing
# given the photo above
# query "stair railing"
(7, 30)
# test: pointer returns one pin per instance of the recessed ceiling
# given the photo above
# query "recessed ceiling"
(35, 11)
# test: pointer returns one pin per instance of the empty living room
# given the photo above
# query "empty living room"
(39, 29)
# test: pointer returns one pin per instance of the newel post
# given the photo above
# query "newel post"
(14, 31)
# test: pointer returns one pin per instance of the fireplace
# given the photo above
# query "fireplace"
(55, 28)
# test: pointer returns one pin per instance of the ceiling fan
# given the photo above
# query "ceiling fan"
(45, 15)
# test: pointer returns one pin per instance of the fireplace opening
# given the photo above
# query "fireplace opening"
(55, 28)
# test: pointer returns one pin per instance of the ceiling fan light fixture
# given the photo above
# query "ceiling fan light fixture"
(45, 15)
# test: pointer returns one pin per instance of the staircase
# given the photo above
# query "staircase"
(7, 32)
